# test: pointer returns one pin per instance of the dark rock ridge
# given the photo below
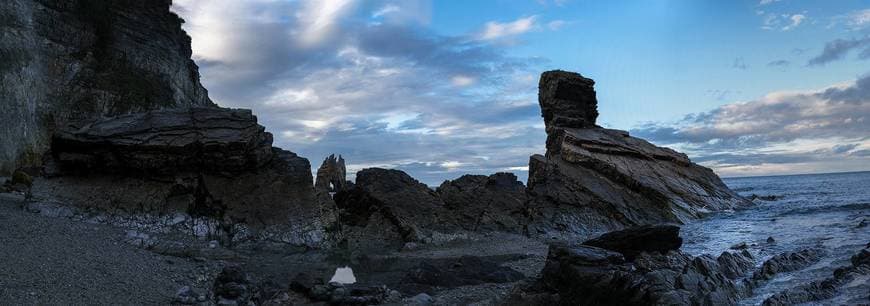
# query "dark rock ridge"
(828, 288)
(587, 275)
(631, 242)
(787, 262)
(76, 59)
(487, 203)
(593, 179)
(208, 162)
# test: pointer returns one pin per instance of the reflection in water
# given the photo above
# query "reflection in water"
(343, 275)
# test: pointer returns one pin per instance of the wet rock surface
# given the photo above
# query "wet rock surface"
(587, 275)
(854, 277)
(788, 262)
(594, 180)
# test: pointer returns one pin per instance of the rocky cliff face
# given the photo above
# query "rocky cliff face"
(593, 179)
(208, 162)
(74, 59)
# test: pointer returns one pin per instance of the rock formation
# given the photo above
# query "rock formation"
(593, 179)
(387, 208)
(209, 162)
(75, 59)
(631, 242)
(332, 175)
(587, 275)
(820, 290)
(486, 203)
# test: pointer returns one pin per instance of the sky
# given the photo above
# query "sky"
(445, 88)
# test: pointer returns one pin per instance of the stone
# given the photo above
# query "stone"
(593, 179)
(787, 262)
(387, 208)
(487, 203)
(421, 299)
(576, 274)
(232, 286)
(632, 241)
(827, 288)
(332, 175)
(186, 296)
(208, 162)
(71, 59)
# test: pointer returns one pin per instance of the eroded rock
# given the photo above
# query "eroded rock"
(387, 208)
(593, 179)
(487, 203)
(209, 162)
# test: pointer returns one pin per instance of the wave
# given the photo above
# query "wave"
(826, 208)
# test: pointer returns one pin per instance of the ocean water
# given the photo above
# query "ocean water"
(818, 210)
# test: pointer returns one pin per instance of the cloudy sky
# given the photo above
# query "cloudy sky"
(443, 88)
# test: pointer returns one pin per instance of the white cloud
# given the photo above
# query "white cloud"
(796, 20)
(387, 9)
(496, 30)
(555, 25)
(450, 165)
(461, 80)
(317, 19)
(766, 2)
(859, 18)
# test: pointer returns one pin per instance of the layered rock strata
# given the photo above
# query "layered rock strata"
(593, 179)
(208, 162)
(64, 60)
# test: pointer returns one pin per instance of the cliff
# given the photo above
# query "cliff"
(64, 60)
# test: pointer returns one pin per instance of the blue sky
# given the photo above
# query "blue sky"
(444, 88)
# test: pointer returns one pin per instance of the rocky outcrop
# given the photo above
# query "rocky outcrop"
(64, 60)
(633, 241)
(588, 275)
(787, 262)
(331, 176)
(593, 179)
(208, 162)
(387, 208)
(828, 288)
(486, 203)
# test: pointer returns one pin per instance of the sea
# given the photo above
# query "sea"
(831, 211)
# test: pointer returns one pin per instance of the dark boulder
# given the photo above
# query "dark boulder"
(387, 208)
(233, 285)
(486, 203)
(631, 242)
(593, 179)
(587, 275)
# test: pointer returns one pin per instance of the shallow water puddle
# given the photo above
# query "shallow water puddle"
(343, 275)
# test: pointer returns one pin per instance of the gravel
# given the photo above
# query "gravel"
(57, 261)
